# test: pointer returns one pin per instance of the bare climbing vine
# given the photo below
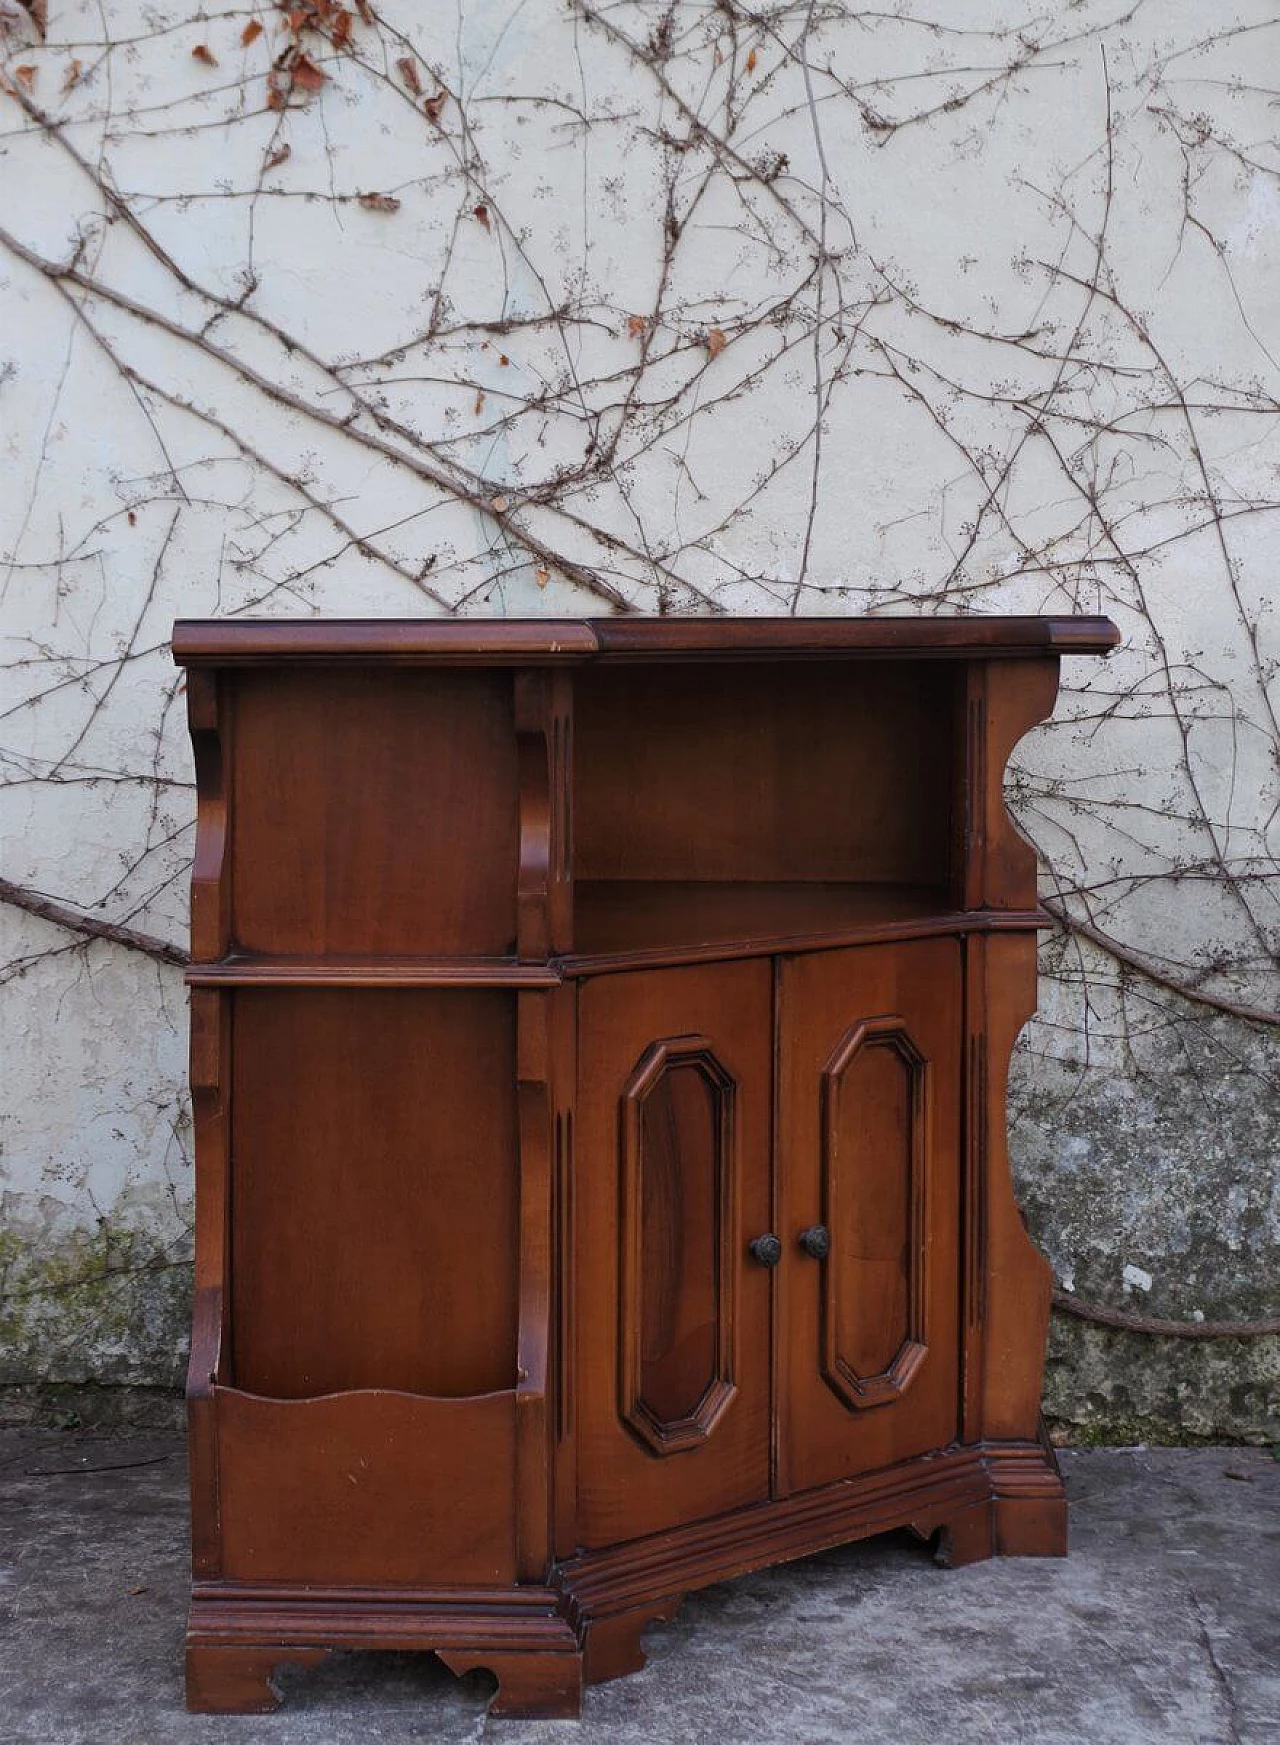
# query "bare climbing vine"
(667, 306)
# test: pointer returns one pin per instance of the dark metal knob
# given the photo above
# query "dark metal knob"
(816, 1241)
(766, 1250)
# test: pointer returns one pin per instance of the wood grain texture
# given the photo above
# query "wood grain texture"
(824, 1000)
(678, 1245)
(1005, 700)
(361, 794)
(624, 1488)
(237, 1681)
(1016, 1279)
(375, 1178)
(779, 773)
(346, 1489)
(210, 1317)
(210, 879)
(542, 641)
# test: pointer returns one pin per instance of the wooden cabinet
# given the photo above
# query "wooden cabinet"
(599, 1037)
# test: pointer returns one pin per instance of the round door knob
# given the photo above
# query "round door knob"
(766, 1250)
(816, 1241)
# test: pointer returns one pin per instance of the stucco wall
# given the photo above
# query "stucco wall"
(571, 307)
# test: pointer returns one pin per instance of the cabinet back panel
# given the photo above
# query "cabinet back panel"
(374, 1193)
(809, 771)
(375, 811)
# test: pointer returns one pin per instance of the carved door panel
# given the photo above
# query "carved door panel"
(868, 1149)
(671, 1173)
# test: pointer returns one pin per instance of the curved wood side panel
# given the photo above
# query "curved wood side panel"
(1003, 700)
(210, 882)
(210, 1058)
(1008, 1280)
(544, 1086)
(543, 722)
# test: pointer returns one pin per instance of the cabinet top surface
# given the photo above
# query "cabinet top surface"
(539, 641)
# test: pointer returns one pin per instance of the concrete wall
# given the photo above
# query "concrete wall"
(566, 307)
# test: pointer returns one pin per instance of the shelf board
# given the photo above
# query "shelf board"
(251, 971)
(624, 922)
(630, 924)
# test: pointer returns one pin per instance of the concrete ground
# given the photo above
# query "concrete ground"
(1163, 1626)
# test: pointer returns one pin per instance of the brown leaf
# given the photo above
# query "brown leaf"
(365, 10)
(251, 32)
(38, 12)
(503, 359)
(276, 158)
(636, 325)
(479, 406)
(543, 574)
(380, 202)
(500, 505)
(434, 105)
(306, 74)
(409, 73)
(72, 79)
(340, 29)
(716, 341)
(27, 75)
(751, 61)
(133, 517)
(204, 54)
(482, 213)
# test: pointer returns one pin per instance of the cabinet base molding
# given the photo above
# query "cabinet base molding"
(543, 1643)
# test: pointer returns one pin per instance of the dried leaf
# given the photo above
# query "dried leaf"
(306, 74)
(204, 54)
(501, 505)
(543, 574)
(340, 29)
(716, 341)
(133, 517)
(434, 105)
(27, 75)
(251, 32)
(479, 406)
(72, 79)
(365, 10)
(751, 61)
(636, 325)
(276, 158)
(503, 359)
(409, 73)
(482, 213)
(380, 202)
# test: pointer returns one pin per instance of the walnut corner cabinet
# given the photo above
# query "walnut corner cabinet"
(599, 1039)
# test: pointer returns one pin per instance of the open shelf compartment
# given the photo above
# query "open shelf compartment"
(724, 804)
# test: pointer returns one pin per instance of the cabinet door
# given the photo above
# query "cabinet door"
(671, 1183)
(868, 1150)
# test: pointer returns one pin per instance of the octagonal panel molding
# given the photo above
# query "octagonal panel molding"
(875, 1112)
(676, 1318)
